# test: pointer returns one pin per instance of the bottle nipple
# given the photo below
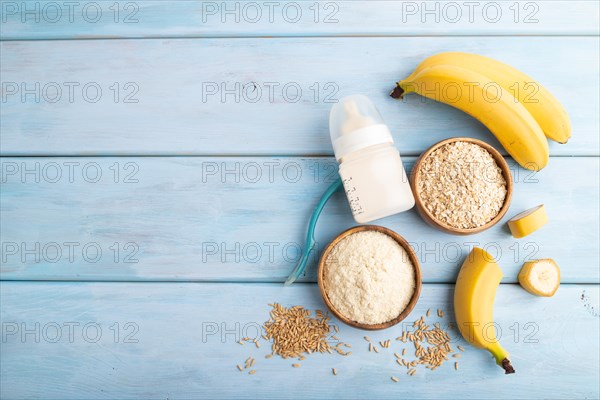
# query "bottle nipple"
(354, 119)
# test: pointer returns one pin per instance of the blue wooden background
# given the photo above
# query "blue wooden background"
(160, 160)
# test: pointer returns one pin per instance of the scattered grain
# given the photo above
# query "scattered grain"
(428, 312)
(238, 367)
(456, 366)
(394, 379)
(294, 331)
(252, 372)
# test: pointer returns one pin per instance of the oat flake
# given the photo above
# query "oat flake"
(461, 185)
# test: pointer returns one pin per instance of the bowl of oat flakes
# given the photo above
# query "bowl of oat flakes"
(462, 186)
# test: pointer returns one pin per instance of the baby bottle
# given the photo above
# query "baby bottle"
(374, 179)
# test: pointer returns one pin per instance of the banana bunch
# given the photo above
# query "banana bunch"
(474, 296)
(519, 111)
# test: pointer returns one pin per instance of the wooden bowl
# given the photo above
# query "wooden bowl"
(430, 219)
(413, 258)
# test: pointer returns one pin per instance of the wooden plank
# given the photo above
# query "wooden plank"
(258, 107)
(244, 219)
(181, 343)
(48, 19)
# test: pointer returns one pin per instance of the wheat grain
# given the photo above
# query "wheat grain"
(294, 331)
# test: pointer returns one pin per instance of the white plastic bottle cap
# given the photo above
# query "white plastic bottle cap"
(355, 123)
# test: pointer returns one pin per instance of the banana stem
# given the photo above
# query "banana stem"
(508, 368)
(397, 93)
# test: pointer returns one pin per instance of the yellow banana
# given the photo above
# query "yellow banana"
(483, 99)
(474, 297)
(543, 106)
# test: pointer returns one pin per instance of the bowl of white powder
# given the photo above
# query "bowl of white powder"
(369, 277)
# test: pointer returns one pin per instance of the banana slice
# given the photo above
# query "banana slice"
(528, 221)
(540, 277)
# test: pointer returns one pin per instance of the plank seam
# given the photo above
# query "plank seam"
(271, 37)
